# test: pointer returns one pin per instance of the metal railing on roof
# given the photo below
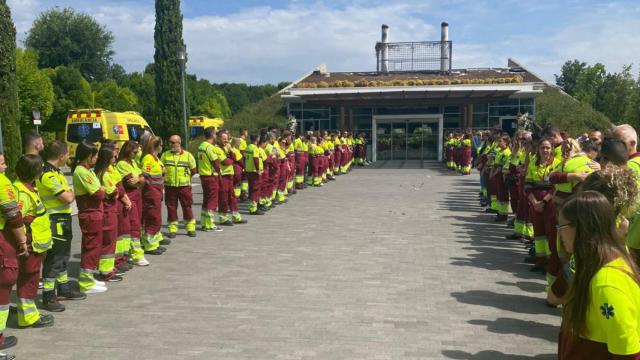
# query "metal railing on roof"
(414, 56)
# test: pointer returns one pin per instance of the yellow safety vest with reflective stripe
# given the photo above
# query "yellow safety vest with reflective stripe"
(51, 184)
(222, 156)
(574, 165)
(178, 168)
(31, 205)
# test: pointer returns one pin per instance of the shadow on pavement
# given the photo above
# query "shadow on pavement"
(493, 355)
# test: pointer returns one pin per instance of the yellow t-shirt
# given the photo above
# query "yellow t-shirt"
(613, 316)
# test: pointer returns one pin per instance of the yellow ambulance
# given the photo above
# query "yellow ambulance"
(96, 124)
(197, 124)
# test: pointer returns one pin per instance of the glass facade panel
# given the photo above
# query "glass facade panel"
(451, 121)
(503, 110)
(506, 102)
(480, 108)
(494, 121)
(452, 110)
(480, 121)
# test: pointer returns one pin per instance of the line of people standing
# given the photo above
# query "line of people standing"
(573, 203)
(119, 193)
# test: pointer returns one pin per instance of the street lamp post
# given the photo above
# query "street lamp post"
(182, 56)
(36, 119)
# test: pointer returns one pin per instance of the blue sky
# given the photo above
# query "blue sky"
(258, 41)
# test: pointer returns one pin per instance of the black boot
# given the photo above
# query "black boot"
(50, 302)
(66, 292)
(45, 320)
(9, 341)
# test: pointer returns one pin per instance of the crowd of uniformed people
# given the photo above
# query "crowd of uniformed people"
(119, 190)
(573, 203)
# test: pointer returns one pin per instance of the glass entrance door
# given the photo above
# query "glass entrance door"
(407, 139)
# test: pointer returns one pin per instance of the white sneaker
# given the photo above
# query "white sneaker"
(96, 289)
(140, 262)
(101, 283)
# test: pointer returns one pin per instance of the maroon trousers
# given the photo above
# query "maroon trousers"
(29, 274)
(265, 182)
(554, 265)
(109, 232)
(210, 187)
(284, 175)
(152, 211)
(124, 227)
(254, 186)
(175, 194)
(502, 192)
(9, 268)
(225, 193)
(274, 176)
(91, 227)
(315, 166)
(540, 226)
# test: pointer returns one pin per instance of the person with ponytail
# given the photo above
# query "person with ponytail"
(153, 172)
(111, 182)
(600, 317)
(89, 196)
(129, 221)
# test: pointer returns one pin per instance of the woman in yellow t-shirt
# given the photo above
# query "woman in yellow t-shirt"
(153, 172)
(600, 317)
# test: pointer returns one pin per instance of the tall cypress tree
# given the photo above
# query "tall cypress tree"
(9, 115)
(168, 43)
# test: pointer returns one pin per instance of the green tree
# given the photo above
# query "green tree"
(144, 87)
(214, 107)
(270, 111)
(616, 94)
(35, 90)
(589, 82)
(108, 95)
(68, 38)
(72, 91)
(167, 68)
(569, 74)
(563, 111)
(9, 115)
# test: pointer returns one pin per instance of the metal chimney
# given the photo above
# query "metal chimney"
(445, 61)
(385, 49)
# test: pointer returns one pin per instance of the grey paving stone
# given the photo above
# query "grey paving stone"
(380, 264)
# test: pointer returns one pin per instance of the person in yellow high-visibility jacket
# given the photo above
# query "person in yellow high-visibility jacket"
(209, 170)
(242, 147)
(38, 228)
(180, 166)
(13, 243)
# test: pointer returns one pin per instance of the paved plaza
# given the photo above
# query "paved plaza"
(394, 261)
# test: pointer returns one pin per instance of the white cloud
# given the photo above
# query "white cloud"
(264, 44)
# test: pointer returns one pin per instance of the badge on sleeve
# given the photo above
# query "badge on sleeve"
(607, 310)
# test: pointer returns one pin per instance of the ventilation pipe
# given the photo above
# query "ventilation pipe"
(385, 49)
(444, 48)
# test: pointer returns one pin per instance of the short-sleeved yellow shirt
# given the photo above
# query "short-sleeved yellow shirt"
(613, 316)
(85, 181)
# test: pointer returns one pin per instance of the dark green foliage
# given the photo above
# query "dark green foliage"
(108, 95)
(167, 68)
(9, 115)
(563, 111)
(270, 111)
(35, 90)
(616, 95)
(68, 38)
(72, 91)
